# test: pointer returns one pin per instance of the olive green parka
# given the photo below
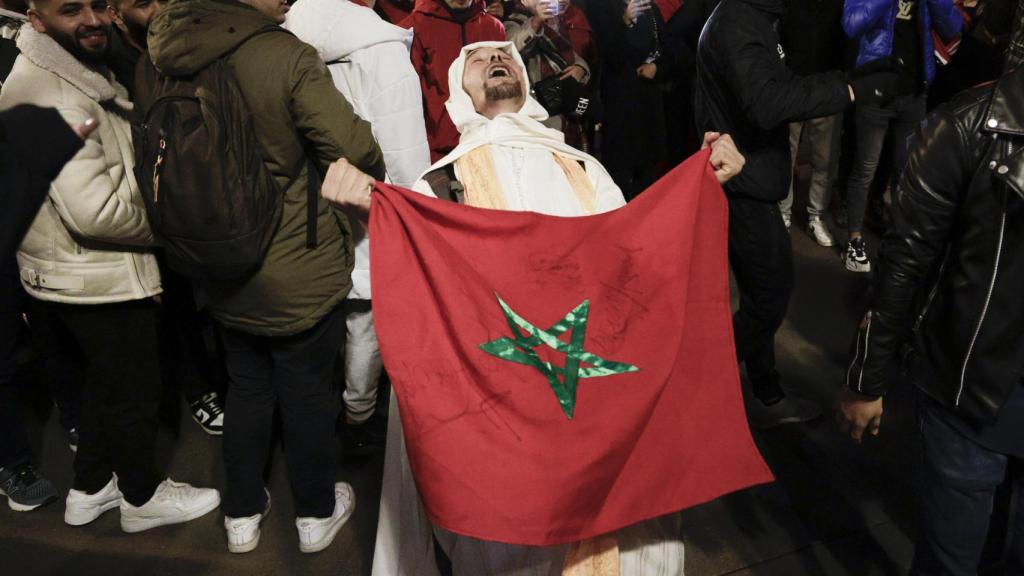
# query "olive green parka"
(297, 112)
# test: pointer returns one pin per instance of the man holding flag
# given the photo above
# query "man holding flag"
(513, 479)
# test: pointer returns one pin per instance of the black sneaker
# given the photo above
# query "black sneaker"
(25, 489)
(857, 255)
(208, 413)
(73, 440)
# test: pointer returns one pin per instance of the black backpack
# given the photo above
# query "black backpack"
(209, 196)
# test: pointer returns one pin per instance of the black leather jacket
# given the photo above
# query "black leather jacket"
(951, 279)
(745, 89)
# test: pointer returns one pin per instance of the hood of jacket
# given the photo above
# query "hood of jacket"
(337, 28)
(438, 9)
(190, 34)
(47, 54)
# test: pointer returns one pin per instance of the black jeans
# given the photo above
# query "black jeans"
(118, 344)
(762, 262)
(296, 374)
(898, 119)
(14, 448)
(958, 484)
(65, 369)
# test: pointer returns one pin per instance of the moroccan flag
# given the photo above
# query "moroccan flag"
(560, 378)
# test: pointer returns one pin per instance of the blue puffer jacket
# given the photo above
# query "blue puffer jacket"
(873, 22)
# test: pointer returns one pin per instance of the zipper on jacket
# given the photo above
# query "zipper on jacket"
(988, 297)
(856, 355)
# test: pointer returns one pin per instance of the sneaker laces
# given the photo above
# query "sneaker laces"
(171, 490)
(210, 403)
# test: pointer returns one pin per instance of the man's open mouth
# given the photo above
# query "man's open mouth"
(499, 71)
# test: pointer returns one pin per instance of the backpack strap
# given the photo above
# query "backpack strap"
(445, 186)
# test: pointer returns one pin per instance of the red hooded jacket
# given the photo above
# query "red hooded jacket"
(436, 44)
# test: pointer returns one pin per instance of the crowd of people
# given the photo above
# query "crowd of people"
(910, 113)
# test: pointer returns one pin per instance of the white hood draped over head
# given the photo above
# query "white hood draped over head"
(522, 129)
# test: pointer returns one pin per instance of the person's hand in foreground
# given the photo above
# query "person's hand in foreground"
(856, 413)
(726, 160)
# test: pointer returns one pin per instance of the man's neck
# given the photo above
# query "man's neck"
(492, 110)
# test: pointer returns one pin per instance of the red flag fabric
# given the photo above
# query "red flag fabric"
(486, 317)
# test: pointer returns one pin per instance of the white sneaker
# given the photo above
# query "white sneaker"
(244, 533)
(817, 228)
(787, 219)
(172, 503)
(81, 508)
(315, 534)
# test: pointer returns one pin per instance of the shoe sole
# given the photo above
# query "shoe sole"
(247, 547)
(207, 430)
(250, 546)
(131, 526)
(863, 268)
(82, 520)
(329, 539)
(19, 507)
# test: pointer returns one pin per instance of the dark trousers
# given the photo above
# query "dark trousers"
(14, 448)
(64, 367)
(118, 345)
(898, 119)
(294, 373)
(185, 357)
(958, 484)
(762, 263)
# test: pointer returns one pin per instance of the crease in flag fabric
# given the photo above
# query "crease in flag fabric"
(561, 378)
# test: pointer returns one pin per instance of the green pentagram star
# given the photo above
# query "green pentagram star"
(520, 349)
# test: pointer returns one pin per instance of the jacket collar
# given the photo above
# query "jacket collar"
(1005, 114)
(47, 54)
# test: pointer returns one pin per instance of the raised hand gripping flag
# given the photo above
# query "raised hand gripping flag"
(560, 378)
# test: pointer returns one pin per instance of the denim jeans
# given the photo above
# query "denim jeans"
(898, 120)
(823, 135)
(958, 485)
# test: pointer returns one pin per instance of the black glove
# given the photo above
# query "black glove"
(875, 82)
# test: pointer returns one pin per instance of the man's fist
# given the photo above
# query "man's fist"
(348, 188)
(856, 413)
(726, 160)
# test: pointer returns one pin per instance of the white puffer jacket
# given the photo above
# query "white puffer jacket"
(90, 242)
(369, 60)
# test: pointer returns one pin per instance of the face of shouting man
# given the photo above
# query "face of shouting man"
(81, 27)
(494, 81)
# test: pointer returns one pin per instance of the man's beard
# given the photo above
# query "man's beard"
(503, 91)
(72, 44)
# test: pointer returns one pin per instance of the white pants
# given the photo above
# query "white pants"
(405, 535)
(363, 365)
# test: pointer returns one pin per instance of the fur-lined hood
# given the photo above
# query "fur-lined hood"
(47, 54)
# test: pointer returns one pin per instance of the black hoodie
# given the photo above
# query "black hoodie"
(745, 89)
